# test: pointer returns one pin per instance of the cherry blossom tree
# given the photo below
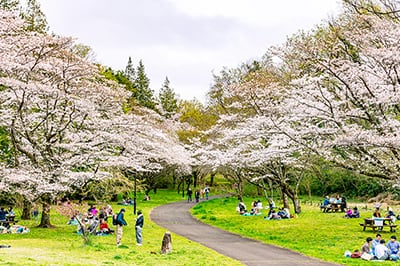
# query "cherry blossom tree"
(53, 106)
(66, 123)
(251, 147)
(343, 100)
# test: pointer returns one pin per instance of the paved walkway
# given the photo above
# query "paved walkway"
(177, 218)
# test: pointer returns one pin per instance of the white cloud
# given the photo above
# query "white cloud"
(183, 39)
(257, 11)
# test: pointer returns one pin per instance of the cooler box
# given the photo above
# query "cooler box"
(378, 221)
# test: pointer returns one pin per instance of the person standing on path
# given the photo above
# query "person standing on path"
(139, 228)
(207, 191)
(189, 194)
(197, 195)
(120, 223)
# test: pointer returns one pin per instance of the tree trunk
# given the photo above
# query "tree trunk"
(166, 246)
(292, 194)
(45, 221)
(264, 189)
(285, 201)
(83, 231)
(212, 179)
(296, 204)
(173, 180)
(195, 179)
(271, 188)
(239, 191)
(26, 210)
(147, 191)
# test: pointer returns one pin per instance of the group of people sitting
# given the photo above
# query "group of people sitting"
(256, 209)
(7, 215)
(94, 221)
(126, 202)
(352, 213)
(14, 229)
(283, 213)
(378, 249)
(7, 222)
(334, 204)
(389, 214)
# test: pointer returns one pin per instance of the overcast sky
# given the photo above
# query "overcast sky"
(186, 40)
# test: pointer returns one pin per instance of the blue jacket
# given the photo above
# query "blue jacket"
(120, 219)
(3, 215)
(393, 246)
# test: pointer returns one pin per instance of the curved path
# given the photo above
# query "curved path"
(177, 218)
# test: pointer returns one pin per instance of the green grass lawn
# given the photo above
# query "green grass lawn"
(62, 246)
(321, 235)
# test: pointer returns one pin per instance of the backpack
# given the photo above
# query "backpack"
(115, 219)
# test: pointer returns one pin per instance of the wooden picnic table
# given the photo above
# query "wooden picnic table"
(331, 207)
(379, 223)
(10, 219)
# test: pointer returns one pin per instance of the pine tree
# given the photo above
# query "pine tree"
(142, 92)
(35, 18)
(168, 99)
(130, 72)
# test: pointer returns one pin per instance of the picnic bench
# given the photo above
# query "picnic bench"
(9, 220)
(378, 223)
(331, 207)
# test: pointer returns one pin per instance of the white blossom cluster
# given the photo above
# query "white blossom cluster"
(66, 123)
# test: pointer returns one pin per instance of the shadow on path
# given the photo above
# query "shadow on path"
(177, 218)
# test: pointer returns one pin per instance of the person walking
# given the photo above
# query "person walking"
(120, 223)
(139, 228)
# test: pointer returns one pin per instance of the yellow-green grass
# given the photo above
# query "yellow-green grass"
(321, 235)
(62, 246)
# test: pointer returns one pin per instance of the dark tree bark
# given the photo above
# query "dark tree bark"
(166, 246)
(212, 179)
(195, 178)
(285, 201)
(45, 221)
(26, 210)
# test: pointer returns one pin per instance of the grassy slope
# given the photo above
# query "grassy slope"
(62, 246)
(322, 235)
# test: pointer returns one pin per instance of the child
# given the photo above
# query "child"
(104, 229)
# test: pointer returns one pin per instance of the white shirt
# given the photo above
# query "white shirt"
(380, 250)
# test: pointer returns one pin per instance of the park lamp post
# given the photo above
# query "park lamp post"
(133, 173)
(134, 196)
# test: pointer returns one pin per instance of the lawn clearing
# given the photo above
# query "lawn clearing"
(62, 246)
(321, 235)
